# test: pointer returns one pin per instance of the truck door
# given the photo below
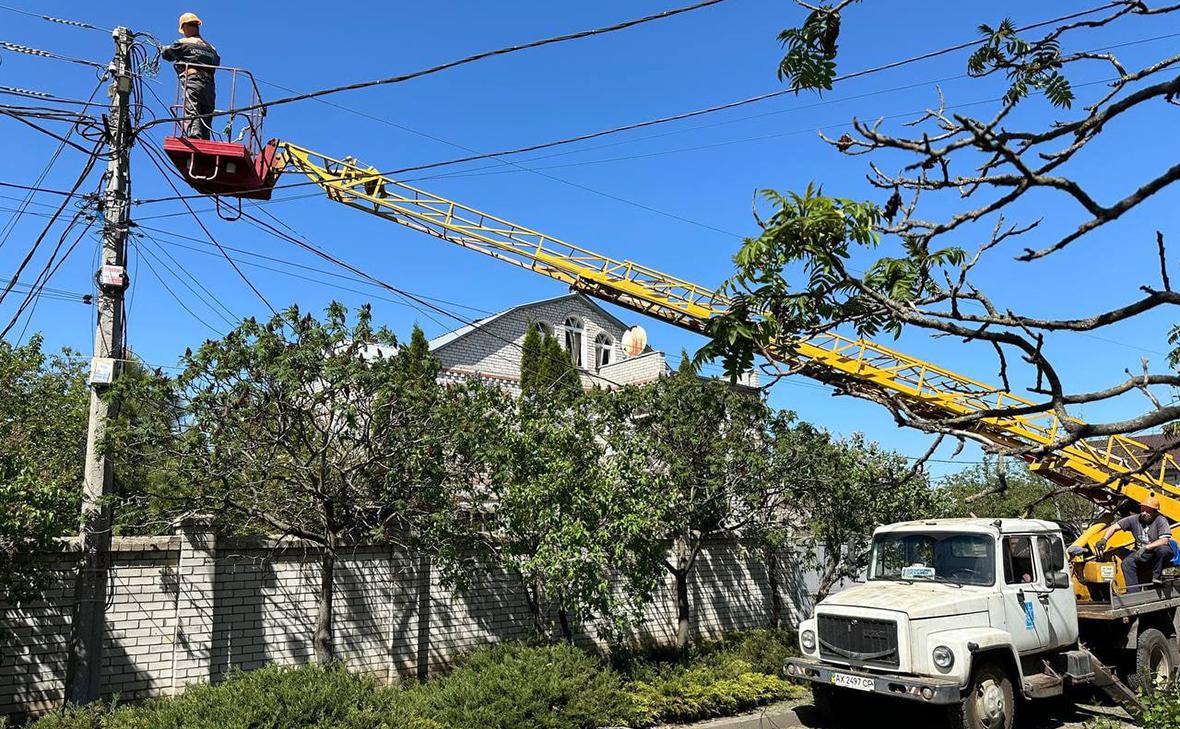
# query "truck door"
(1024, 611)
(1060, 604)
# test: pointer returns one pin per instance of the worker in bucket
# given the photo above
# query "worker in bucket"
(196, 80)
(1152, 541)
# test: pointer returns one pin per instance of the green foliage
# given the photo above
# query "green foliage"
(1012, 491)
(1161, 710)
(814, 237)
(43, 412)
(765, 649)
(309, 697)
(1029, 66)
(512, 685)
(810, 59)
(716, 685)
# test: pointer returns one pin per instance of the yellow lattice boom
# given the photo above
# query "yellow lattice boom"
(1104, 473)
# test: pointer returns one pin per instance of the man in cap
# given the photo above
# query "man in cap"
(194, 59)
(1152, 534)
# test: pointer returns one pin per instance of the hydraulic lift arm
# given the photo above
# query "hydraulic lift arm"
(1105, 474)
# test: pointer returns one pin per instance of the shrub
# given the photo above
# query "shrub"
(715, 685)
(765, 649)
(308, 697)
(512, 685)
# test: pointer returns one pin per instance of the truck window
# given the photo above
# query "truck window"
(967, 559)
(1018, 561)
(1052, 554)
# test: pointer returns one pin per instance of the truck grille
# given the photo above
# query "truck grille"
(872, 642)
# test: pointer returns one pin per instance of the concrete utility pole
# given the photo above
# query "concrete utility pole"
(90, 587)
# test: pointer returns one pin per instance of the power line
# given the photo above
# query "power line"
(676, 117)
(29, 51)
(466, 60)
(52, 19)
(301, 266)
(180, 301)
(232, 319)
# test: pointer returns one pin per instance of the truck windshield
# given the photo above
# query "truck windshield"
(967, 559)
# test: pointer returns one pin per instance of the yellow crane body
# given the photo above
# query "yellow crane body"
(1105, 472)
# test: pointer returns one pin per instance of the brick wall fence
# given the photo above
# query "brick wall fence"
(186, 608)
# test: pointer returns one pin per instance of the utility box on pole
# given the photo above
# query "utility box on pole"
(83, 679)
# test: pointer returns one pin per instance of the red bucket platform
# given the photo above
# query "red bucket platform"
(224, 168)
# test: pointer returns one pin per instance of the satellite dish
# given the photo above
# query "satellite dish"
(634, 341)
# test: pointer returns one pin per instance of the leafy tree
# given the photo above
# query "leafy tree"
(862, 488)
(702, 445)
(44, 406)
(305, 428)
(568, 519)
(1004, 489)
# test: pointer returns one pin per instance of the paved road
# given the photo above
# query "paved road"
(1040, 715)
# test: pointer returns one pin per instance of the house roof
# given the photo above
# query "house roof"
(444, 339)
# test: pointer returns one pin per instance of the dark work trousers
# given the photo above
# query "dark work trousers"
(1157, 557)
(199, 97)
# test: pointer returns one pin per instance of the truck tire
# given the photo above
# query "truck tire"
(1156, 660)
(990, 701)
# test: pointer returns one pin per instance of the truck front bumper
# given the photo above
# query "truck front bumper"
(916, 688)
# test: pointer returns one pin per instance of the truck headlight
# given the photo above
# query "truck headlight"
(807, 640)
(943, 657)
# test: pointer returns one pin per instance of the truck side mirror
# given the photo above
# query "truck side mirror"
(1058, 580)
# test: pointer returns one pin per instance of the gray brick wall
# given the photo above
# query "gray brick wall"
(188, 609)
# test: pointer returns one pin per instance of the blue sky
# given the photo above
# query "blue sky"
(676, 197)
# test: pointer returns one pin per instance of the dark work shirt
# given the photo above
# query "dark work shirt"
(1145, 533)
(192, 50)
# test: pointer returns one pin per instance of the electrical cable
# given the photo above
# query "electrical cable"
(179, 301)
(682, 116)
(295, 264)
(466, 60)
(37, 290)
(59, 21)
(231, 320)
(86, 169)
(29, 51)
(34, 188)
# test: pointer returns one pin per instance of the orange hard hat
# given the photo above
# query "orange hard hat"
(189, 18)
(1151, 502)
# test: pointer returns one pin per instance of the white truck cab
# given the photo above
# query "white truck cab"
(973, 614)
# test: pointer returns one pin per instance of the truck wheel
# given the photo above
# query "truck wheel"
(990, 702)
(1156, 659)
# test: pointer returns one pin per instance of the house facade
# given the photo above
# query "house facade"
(490, 349)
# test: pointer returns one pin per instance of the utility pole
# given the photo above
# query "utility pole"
(90, 586)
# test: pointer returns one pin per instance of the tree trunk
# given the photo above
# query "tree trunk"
(532, 593)
(322, 643)
(567, 633)
(683, 611)
(776, 597)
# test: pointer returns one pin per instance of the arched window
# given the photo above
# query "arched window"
(575, 332)
(603, 349)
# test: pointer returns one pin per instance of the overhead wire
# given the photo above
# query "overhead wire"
(59, 21)
(39, 53)
(147, 262)
(399, 78)
(684, 115)
(229, 317)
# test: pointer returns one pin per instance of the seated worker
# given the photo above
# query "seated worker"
(1152, 534)
(199, 92)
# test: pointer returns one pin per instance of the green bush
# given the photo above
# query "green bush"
(765, 649)
(715, 685)
(1161, 710)
(308, 697)
(511, 686)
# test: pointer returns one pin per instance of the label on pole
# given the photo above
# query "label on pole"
(102, 371)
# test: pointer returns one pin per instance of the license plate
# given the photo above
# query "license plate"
(860, 683)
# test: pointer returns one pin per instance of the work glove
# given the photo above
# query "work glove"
(1100, 546)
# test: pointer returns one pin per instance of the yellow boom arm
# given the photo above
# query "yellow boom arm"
(1102, 473)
